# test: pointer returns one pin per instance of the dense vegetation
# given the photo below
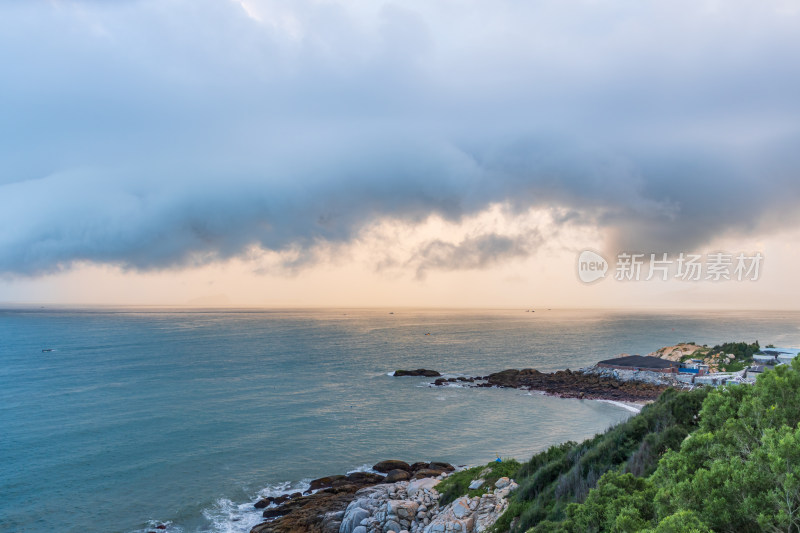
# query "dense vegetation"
(742, 352)
(566, 473)
(727, 460)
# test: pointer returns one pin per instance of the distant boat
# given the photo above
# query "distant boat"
(47, 350)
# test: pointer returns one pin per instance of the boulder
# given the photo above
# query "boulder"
(403, 509)
(476, 484)
(502, 483)
(324, 482)
(391, 525)
(461, 507)
(263, 502)
(397, 475)
(420, 485)
(352, 519)
(392, 464)
(275, 512)
(363, 477)
(426, 472)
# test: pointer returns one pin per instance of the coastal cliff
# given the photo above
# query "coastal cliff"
(651, 473)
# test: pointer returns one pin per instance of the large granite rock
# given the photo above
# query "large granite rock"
(363, 478)
(325, 482)
(391, 464)
(397, 475)
(421, 485)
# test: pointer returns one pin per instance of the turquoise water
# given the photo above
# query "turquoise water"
(142, 416)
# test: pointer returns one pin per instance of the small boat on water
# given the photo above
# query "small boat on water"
(47, 350)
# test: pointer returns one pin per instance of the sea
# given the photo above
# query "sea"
(124, 419)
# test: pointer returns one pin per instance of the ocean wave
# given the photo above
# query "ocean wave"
(365, 468)
(226, 516)
(157, 525)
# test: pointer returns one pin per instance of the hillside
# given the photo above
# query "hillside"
(725, 460)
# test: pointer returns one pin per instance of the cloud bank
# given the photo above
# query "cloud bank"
(171, 133)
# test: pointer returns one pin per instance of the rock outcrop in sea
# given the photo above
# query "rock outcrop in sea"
(592, 383)
(569, 384)
(423, 372)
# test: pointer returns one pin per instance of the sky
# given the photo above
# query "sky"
(382, 153)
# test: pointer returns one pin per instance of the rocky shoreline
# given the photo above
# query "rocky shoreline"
(395, 497)
(322, 507)
(589, 384)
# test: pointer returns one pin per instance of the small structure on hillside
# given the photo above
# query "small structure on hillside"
(641, 362)
(716, 379)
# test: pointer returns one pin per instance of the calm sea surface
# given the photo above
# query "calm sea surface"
(143, 416)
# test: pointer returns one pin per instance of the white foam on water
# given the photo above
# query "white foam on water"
(226, 516)
(153, 525)
(365, 468)
(286, 487)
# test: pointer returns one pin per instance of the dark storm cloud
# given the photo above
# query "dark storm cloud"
(163, 134)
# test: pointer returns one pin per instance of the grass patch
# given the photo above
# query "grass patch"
(699, 353)
(457, 483)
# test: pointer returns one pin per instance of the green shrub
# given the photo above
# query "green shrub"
(457, 483)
